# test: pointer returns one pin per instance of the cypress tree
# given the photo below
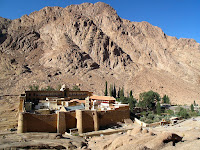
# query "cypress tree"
(121, 94)
(131, 94)
(114, 92)
(195, 103)
(123, 91)
(106, 89)
(192, 107)
(166, 99)
(118, 93)
(111, 90)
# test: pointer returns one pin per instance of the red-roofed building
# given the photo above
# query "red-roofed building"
(103, 99)
(103, 103)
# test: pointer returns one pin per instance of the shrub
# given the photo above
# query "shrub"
(193, 113)
(150, 116)
(156, 119)
(75, 88)
(167, 118)
(144, 113)
(183, 113)
(142, 119)
(148, 121)
(34, 87)
(48, 88)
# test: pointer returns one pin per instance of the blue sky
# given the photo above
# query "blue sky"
(180, 18)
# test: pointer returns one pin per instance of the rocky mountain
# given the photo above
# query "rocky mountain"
(89, 44)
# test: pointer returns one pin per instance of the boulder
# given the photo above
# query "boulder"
(136, 130)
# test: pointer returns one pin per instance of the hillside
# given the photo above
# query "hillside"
(89, 44)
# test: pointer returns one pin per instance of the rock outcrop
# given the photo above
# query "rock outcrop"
(136, 140)
(89, 44)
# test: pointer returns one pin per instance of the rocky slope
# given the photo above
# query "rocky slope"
(89, 44)
(182, 136)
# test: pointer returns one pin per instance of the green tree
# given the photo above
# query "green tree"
(166, 99)
(114, 91)
(132, 102)
(193, 113)
(106, 89)
(124, 100)
(121, 93)
(75, 88)
(169, 112)
(141, 104)
(149, 99)
(183, 113)
(111, 90)
(118, 93)
(158, 108)
(192, 107)
(144, 113)
(131, 94)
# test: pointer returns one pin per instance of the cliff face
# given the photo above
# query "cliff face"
(90, 44)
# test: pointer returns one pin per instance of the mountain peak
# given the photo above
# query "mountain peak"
(90, 44)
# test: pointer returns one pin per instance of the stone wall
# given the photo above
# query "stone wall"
(88, 121)
(61, 125)
(70, 120)
(111, 117)
(94, 120)
(37, 123)
(84, 120)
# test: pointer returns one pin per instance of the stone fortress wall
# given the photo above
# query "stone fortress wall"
(83, 120)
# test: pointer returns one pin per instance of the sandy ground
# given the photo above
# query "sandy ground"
(8, 113)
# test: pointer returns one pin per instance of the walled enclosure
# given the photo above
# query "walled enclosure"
(84, 120)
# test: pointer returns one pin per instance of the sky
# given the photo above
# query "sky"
(179, 18)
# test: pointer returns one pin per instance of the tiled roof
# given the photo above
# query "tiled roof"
(77, 100)
(107, 98)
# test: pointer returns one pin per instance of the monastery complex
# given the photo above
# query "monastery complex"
(66, 110)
